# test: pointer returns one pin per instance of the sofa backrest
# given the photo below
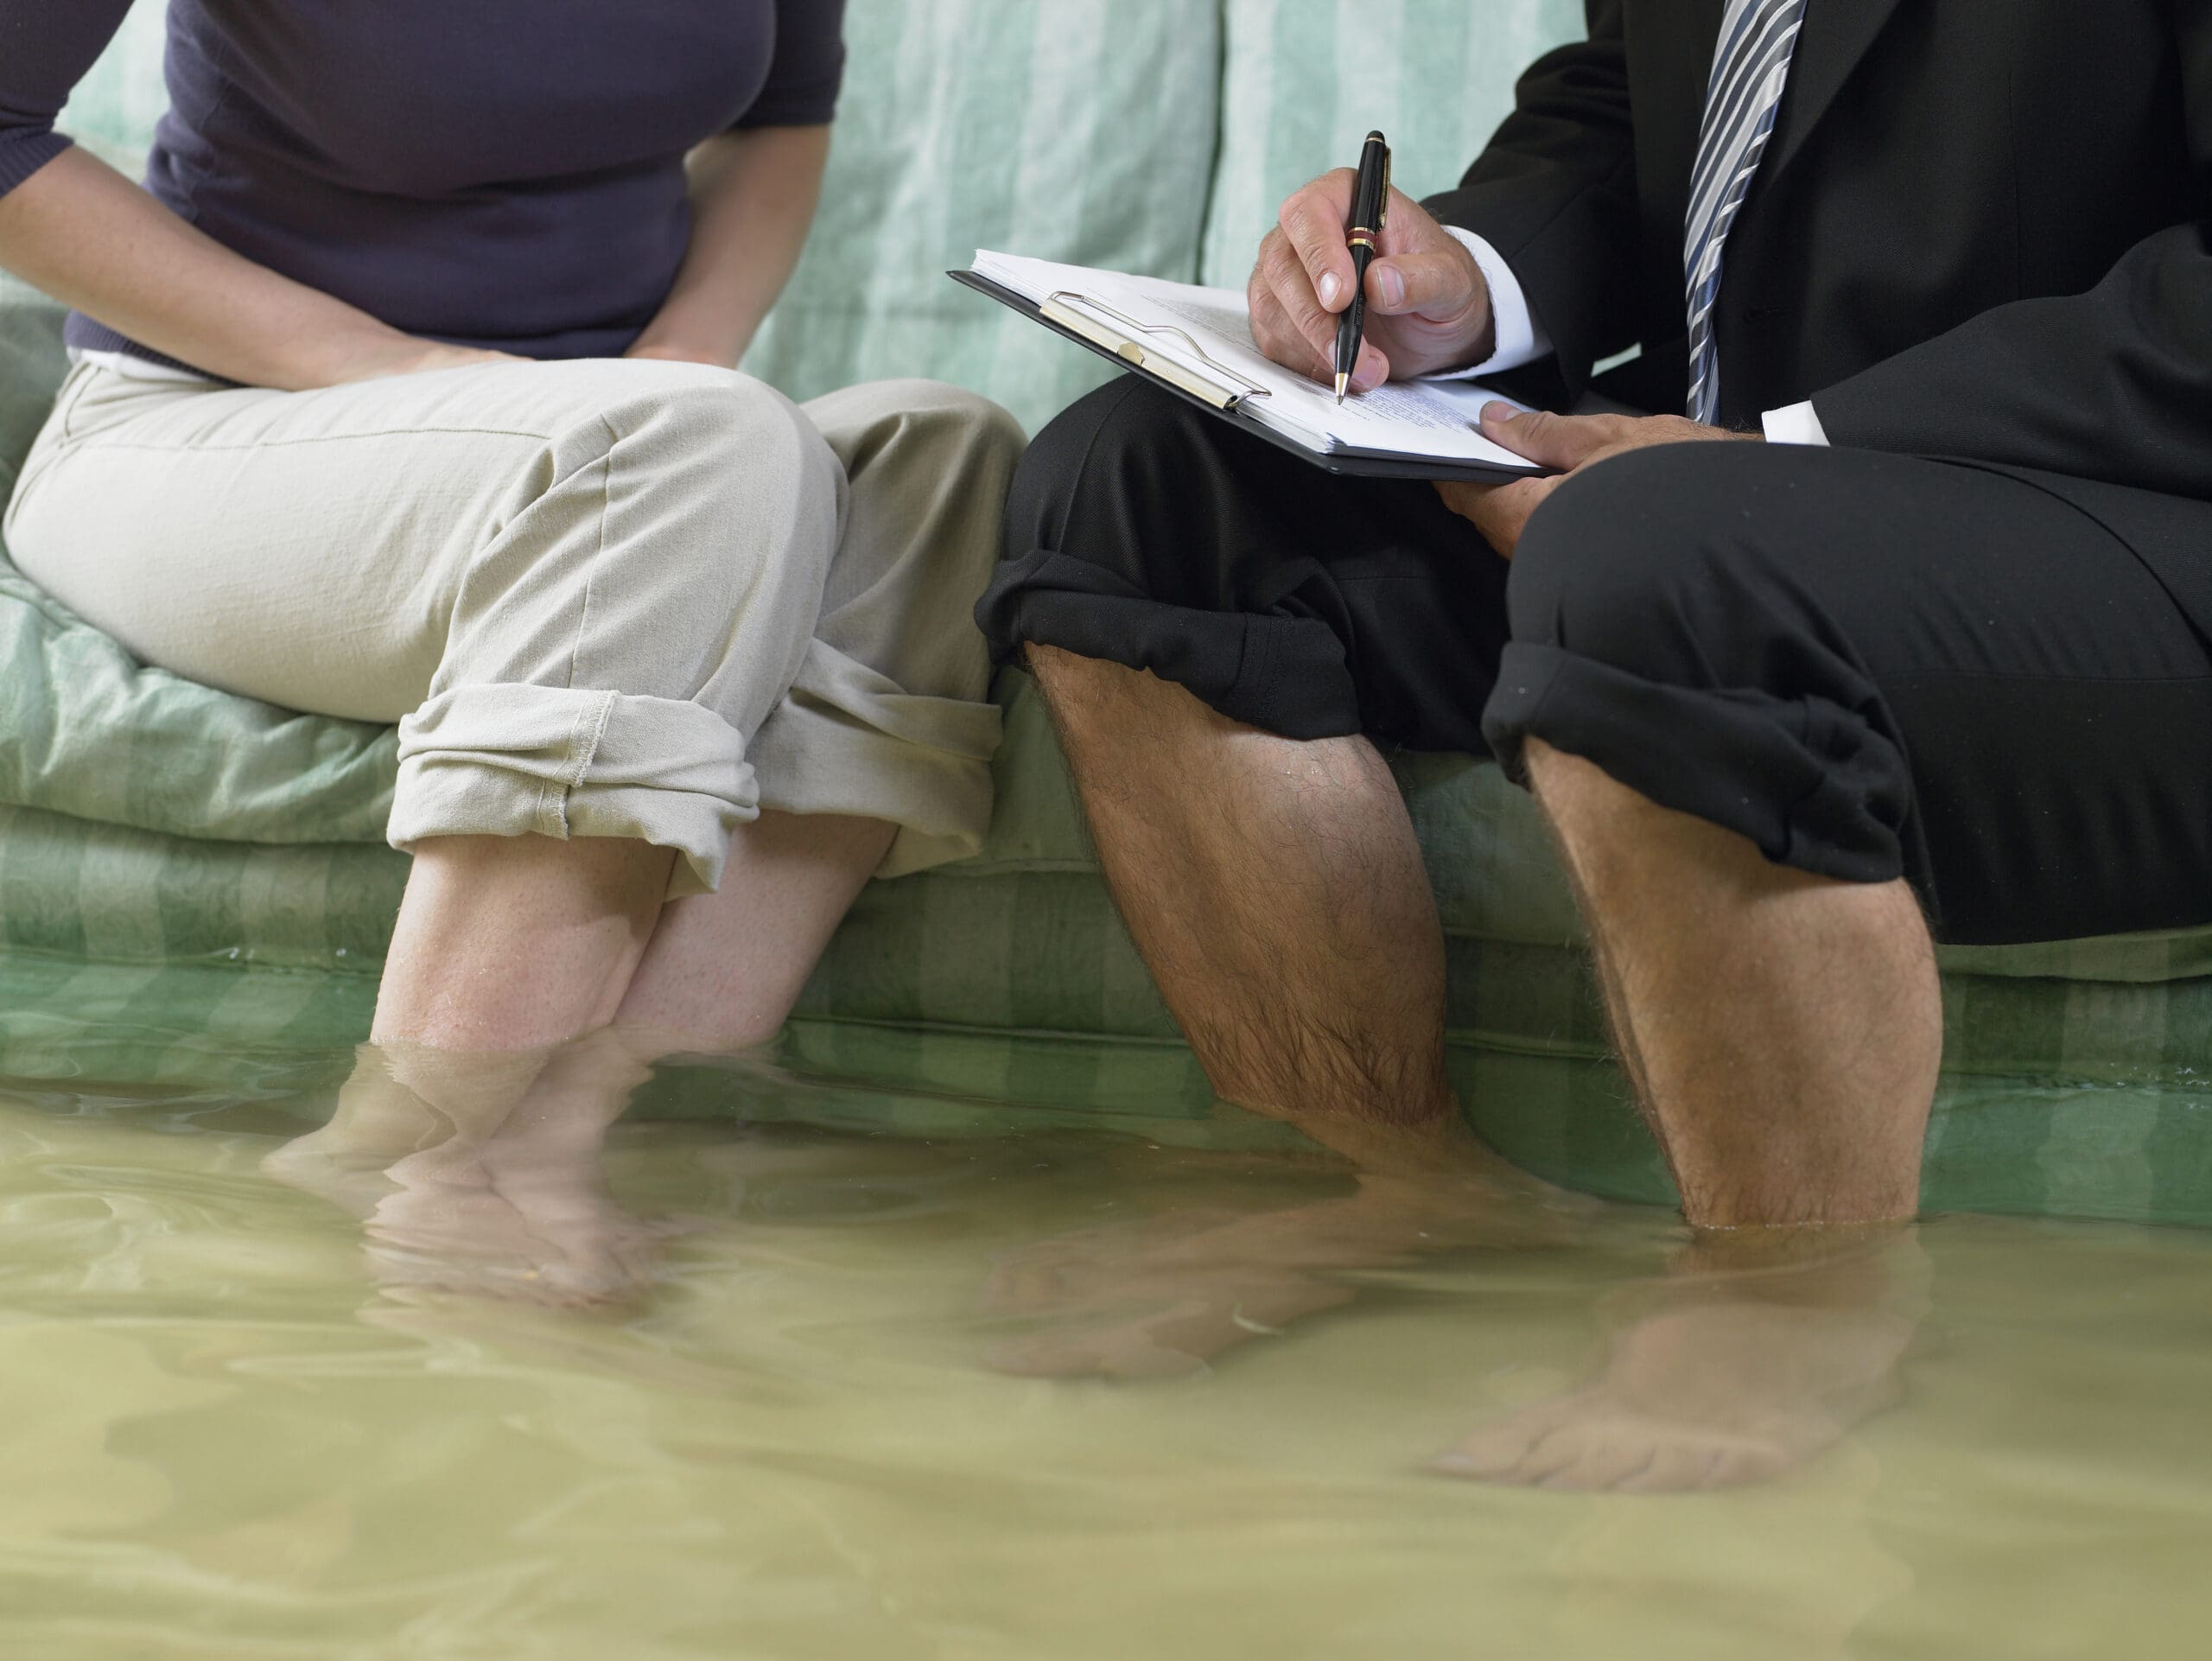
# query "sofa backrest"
(1305, 81)
(1154, 136)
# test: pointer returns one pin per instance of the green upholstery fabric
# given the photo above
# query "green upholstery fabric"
(969, 123)
(187, 878)
(31, 366)
(1011, 983)
(1308, 80)
(115, 107)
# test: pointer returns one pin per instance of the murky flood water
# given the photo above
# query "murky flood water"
(241, 1422)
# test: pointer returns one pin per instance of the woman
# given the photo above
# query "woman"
(405, 391)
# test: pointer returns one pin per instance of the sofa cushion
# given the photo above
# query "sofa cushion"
(963, 988)
(88, 732)
(31, 366)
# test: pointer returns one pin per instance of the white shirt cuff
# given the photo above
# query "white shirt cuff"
(1521, 338)
(1798, 424)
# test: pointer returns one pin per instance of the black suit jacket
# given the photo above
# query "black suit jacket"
(1982, 230)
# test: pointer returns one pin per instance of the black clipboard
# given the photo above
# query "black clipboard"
(1349, 464)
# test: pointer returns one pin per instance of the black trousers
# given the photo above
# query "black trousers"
(1871, 666)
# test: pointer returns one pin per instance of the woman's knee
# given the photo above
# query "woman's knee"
(949, 425)
(708, 478)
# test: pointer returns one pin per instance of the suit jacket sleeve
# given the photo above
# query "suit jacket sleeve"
(1555, 193)
(2115, 384)
(45, 50)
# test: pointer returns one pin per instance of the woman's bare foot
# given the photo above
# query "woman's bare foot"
(453, 1224)
(480, 1172)
(1761, 1363)
(377, 1121)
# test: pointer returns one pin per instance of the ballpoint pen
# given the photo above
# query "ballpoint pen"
(1371, 205)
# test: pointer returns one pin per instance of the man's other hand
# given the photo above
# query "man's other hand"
(1428, 302)
(1567, 442)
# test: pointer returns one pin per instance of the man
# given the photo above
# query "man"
(1930, 662)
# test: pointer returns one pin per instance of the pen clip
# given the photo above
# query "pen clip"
(1247, 385)
(1382, 219)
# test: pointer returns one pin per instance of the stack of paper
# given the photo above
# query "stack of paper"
(1209, 331)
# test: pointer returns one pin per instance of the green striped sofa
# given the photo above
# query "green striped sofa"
(187, 879)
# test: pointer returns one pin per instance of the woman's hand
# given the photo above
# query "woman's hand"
(667, 351)
(93, 239)
(1571, 443)
(1428, 302)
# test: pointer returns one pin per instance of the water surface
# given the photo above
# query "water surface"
(232, 1430)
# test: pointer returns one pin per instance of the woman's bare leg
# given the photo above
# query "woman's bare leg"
(516, 943)
(506, 948)
(724, 970)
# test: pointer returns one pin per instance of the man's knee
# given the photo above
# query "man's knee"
(1685, 619)
(1635, 563)
(1107, 454)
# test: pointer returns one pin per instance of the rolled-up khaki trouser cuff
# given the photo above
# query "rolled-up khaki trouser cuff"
(511, 760)
(848, 741)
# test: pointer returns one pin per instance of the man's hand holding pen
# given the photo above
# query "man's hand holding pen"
(1427, 303)
(1428, 310)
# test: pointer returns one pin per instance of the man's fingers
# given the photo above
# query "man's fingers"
(1283, 338)
(1313, 222)
(1501, 513)
(1440, 283)
(1278, 337)
(1552, 441)
(1293, 292)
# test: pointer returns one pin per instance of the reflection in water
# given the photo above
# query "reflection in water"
(481, 1172)
(751, 1389)
(1759, 1349)
(1754, 1351)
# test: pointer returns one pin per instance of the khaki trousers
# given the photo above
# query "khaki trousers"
(600, 598)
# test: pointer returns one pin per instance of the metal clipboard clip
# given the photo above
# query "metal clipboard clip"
(1132, 350)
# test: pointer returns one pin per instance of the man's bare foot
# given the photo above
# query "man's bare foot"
(1167, 1294)
(1754, 1371)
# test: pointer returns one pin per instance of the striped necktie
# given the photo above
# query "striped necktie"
(1751, 72)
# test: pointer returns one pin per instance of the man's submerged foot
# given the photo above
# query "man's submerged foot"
(1753, 1374)
(1167, 1294)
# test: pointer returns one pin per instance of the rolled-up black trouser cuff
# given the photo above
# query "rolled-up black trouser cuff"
(1813, 784)
(1284, 675)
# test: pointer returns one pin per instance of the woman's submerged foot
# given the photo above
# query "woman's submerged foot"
(1753, 1372)
(480, 1172)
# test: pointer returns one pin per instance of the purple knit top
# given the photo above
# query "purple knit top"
(494, 173)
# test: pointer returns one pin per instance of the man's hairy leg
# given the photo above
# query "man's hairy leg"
(1276, 892)
(1782, 1033)
(1782, 1030)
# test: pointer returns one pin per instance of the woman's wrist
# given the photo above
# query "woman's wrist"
(375, 353)
(668, 349)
